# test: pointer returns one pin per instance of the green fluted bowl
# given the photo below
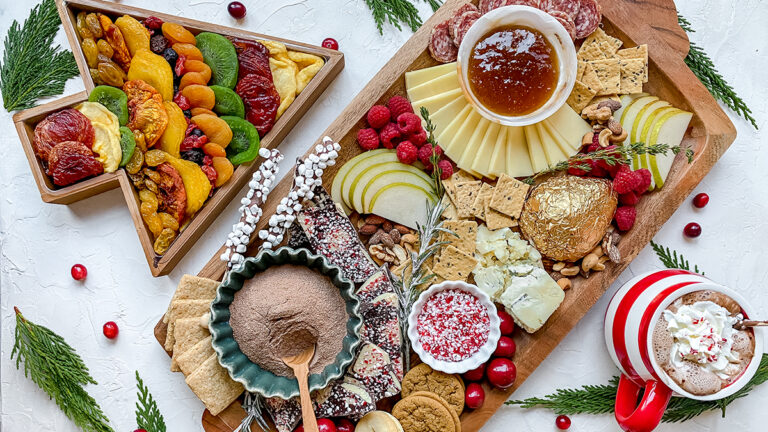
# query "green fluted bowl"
(240, 367)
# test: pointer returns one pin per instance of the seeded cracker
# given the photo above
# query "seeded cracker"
(212, 384)
(632, 75)
(509, 196)
(640, 52)
(466, 232)
(495, 219)
(608, 44)
(449, 211)
(465, 197)
(580, 96)
(581, 65)
(609, 73)
(195, 356)
(590, 51)
(477, 206)
(453, 264)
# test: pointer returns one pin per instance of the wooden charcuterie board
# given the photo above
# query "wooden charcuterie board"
(711, 132)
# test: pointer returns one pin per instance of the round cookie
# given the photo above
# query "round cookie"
(423, 414)
(447, 386)
(378, 421)
(442, 401)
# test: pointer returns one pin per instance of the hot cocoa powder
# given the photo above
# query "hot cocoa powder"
(282, 311)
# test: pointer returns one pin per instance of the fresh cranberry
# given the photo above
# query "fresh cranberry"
(330, 43)
(692, 230)
(475, 374)
(79, 272)
(562, 422)
(701, 200)
(507, 325)
(474, 396)
(505, 348)
(236, 9)
(501, 372)
(299, 429)
(325, 425)
(110, 330)
(344, 425)
(140, 430)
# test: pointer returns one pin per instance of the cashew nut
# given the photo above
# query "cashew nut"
(604, 137)
(564, 283)
(589, 262)
(587, 139)
(558, 266)
(570, 271)
(618, 138)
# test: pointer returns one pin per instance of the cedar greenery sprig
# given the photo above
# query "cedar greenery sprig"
(704, 69)
(429, 127)
(397, 12)
(671, 259)
(59, 371)
(32, 68)
(148, 416)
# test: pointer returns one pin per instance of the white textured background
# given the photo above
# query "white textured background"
(39, 242)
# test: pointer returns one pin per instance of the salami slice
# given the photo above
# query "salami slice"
(564, 19)
(588, 18)
(486, 6)
(530, 3)
(441, 44)
(570, 7)
(462, 26)
(455, 21)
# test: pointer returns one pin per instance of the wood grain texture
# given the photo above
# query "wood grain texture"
(711, 133)
(160, 265)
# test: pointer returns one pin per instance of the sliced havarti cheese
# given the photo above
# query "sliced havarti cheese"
(472, 147)
(454, 145)
(445, 83)
(341, 175)
(445, 115)
(568, 125)
(668, 128)
(498, 162)
(535, 149)
(436, 102)
(552, 150)
(518, 161)
(480, 161)
(447, 134)
(420, 76)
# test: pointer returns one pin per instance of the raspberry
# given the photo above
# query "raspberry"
(419, 138)
(629, 199)
(596, 140)
(399, 105)
(378, 116)
(625, 217)
(407, 153)
(389, 135)
(625, 180)
(643, 180)
(597, 170)
(368, 139)
(575, 170)
(153, 23)
(425, 153)
(408, 123)
(617, 155)
(614, 169)
(593, 148)
(446, 169)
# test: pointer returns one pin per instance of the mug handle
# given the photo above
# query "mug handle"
(645, 416)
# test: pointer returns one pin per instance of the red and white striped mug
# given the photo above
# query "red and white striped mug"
(629, 323)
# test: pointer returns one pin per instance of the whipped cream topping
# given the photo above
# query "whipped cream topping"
(703, 333)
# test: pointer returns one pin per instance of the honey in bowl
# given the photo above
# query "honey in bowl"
(513, 70)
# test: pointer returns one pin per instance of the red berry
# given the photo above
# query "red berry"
(501, 372)
(625, 217)
(79, 272)
(389, 135)
(507, 325)
(446, 169)
(153, 23)
(330, 43)
(368, 139)
(408, 123)
(692, 230)
(300, 428)
(505, 347)
(407, 153)
(140, 430)
(325, 425)
(625, 180)
(399, 105)
(629, 199)
(701, 200)
(595, 140)
(236, 9)
(419, 138)
(474, 396)
(344, 425)
(597, 170)
(426, 151)
(110, 329)
(378, 116)
(475, 374)
(574, 171)
(562, 422)
(643, 181)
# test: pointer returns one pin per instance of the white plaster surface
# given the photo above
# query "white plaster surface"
(39, 242)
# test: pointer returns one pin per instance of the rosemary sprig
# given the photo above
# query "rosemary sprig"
(437, 184)
(704, 69)
(148, 416)
(671, 259)
(59, 371)
(32, 68)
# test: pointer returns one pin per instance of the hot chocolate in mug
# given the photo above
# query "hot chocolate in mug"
(630, 320)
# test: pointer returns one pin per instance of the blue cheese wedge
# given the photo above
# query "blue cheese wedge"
(532, 299)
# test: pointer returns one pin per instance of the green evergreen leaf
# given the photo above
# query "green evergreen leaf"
(148, 416)
(398, 12)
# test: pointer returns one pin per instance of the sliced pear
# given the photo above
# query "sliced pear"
(625, 101)
(420, 76)
(403, 203)
(374, 177)
(498, 162)
(518, 161)
(642, 116)
(669, 128)
(445, 83)
(552, 150)
(627, 120)
(643, 136)
(349, 182)
(535, 150)
(443, 117)
(336, 191)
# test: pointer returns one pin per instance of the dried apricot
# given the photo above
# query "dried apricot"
(216, 129)
(164, 240)
(199, 96)
(137, 160)
(198, 66)
(198, 111)
(105, 48)
(91, 52)
(214, 150)
(155, 157)
(192, 78)
(189, 51)
(224, 170)
(82, 27)
(169, 221)
(178, 34)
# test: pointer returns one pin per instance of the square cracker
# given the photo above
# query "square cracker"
(632, 75)
(477, 206)
(590, 51)
(183, 309)
(590, 78)
(465, 197)
(509, 196)
(212, 384)
(449, 211)
(580, 96)
(641, 52)
(581, 65)
(608, 44)
(453, 264)
(195, 356)
(462, 176)
(609, 73)
(186, 332)
(496, 220)
(193, 288)
(466, 234)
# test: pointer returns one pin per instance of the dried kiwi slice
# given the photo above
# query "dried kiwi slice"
(127, 145)
(244, 146)
(113, 99)
(227, 102)
(219, 54)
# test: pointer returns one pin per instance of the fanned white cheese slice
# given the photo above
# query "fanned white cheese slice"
(498, 162)
(445, 83)
(445, 115)
(552, 150)
(436, 102)
(568, 127)
(481, 161)
(455, 143)
(420, 76)
(518, 161)
(535, 150)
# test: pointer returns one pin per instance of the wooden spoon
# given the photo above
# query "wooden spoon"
(300, 365)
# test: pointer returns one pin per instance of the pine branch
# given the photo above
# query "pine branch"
(704, 69)
(590, 399)
(32, 68)
(59, 371)
(396, 12)
(148, 416)
(671, 259)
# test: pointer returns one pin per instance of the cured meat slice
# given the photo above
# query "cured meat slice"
(462, 26)
(566, 21)
(441, 44)
(486, 6)
(570, 7)
(531, 3)
(588, 18)
(467, 7)
(66, 125)
(71, 161)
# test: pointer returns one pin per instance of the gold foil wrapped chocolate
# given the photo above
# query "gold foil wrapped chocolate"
(566, 217)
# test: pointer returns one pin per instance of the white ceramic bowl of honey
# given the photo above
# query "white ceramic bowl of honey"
(534, 96)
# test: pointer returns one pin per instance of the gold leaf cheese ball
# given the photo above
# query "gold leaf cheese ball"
(566, 217)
